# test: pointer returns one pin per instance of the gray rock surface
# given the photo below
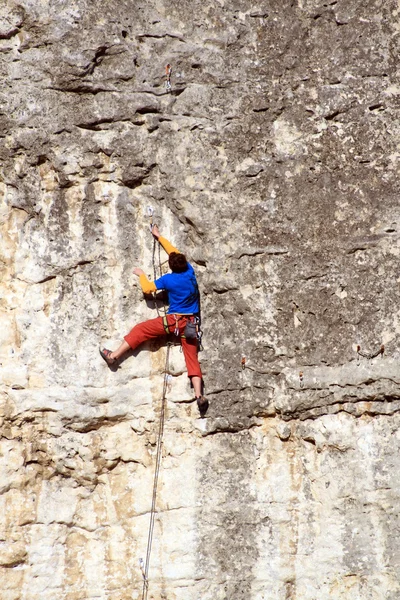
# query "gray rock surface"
(273, 163)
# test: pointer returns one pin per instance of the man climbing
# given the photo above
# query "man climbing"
(184, 306)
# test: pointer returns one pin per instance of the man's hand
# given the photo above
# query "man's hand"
(138, 271)
(155, 232)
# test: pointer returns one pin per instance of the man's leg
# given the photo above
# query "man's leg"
(124, 347)
(142, 332)
(190, 352)
(196, 382)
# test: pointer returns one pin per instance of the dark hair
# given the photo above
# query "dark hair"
(177, 262)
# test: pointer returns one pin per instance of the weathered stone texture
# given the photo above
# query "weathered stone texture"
(273, 163)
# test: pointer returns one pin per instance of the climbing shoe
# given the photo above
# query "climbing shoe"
(106, 355)
(202, 404)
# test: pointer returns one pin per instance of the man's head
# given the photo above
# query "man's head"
(177, 262)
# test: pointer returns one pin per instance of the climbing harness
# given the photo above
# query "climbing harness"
(192, 328)
(168, 73)
(165, 324)
(369, 355)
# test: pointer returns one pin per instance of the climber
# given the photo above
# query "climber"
(184, 307)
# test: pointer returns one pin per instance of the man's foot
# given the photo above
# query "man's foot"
(202, 403)
(106, 354)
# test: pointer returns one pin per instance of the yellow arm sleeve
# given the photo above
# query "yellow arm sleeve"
(168, 247)
(147, 286)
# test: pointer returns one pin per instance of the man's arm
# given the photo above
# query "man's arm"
(148, 287)
(168, 247)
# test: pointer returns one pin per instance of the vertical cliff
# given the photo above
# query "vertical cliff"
(273, 163)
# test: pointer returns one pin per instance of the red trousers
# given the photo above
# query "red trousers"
(154, 328)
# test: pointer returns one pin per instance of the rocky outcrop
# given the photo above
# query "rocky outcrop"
(272, 163)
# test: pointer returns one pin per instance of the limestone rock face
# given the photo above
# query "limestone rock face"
(273, 163)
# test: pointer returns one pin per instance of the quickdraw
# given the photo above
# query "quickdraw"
(176, 330)
(168, 73)
(142, 569)
(167, 326)
(371, 355)
(150, 214)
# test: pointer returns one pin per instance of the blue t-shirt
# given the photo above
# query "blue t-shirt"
(183, 293)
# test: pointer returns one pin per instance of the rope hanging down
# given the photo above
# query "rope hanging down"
(145, 571)
(145, 567)
(150, 214)
(164, 309)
